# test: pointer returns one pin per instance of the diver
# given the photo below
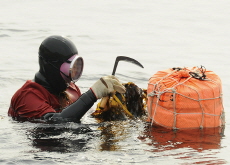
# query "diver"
(52, 95)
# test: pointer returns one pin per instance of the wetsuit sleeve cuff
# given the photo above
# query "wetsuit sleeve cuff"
(93, 93)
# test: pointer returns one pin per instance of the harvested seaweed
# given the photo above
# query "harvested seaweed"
(131, 104)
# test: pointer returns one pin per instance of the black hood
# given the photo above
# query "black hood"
(53, 52)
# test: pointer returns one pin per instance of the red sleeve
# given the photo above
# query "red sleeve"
(32, 103)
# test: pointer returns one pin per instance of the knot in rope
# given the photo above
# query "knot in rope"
(198, 73)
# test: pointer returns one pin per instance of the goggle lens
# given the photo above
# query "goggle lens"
(71, 70)
(76, 68)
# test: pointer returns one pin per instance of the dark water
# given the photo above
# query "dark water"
(159, 34)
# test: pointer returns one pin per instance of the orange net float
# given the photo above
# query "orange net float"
(181, 98)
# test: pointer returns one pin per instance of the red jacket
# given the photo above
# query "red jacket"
(33, 101)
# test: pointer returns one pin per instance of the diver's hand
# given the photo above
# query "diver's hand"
(106, 85)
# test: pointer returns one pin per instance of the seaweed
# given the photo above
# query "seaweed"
(130, 105)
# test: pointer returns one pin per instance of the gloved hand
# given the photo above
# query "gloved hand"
(106, 85)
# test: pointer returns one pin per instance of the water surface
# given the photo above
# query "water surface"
(159, 34)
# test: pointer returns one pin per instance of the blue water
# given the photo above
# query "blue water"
(159, 34)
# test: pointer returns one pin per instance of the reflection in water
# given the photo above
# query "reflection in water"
(117, 135)
(75, 137)
(60, 137)
(108, 139)
(199, 139)
(111, 134)
(120, 135)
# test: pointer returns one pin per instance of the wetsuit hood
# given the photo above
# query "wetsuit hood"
(53, 52)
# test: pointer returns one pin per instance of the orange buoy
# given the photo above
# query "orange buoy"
(185, 98)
